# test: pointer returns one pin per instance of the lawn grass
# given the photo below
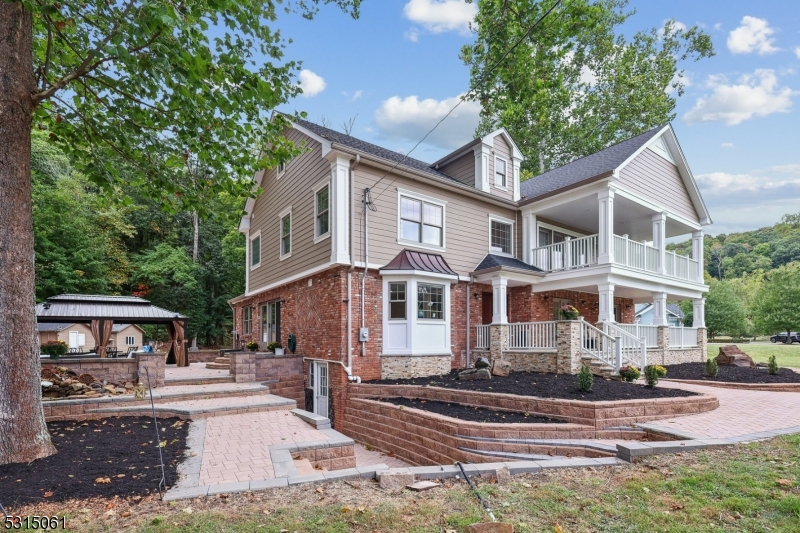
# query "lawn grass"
(724, 490)
(787, 355)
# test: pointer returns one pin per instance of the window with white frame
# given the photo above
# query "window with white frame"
(430, 301)
(397, 300)
(255, 249)
(281, 169)
(421, 221)
(247, 321)
(501, 235)
(322, 210)
(500, 173)
(286, 234)
(130, 340)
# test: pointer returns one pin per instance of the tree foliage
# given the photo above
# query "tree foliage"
(777, 304)
(725, 312)
(574, 85)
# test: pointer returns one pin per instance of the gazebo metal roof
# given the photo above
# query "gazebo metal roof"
(87, 307)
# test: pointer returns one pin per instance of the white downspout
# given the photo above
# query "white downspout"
(366, 267)
(349, 367)
(468, 296)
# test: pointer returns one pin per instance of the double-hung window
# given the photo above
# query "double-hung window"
(130, 340)
(322, 210)
(286, 233)
(430, 301)
(255, 250)
(397, 300)
(247, 321)
(500, 173)
(501, 237)
(421, 221)
(281, 169)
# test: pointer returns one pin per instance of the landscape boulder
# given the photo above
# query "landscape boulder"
(501, 367)
(731, 355)
(472, 374)
(482, 362)
(395, 479)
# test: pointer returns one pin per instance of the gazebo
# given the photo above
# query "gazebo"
(102, 311)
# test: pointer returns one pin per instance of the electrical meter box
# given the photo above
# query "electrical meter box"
(363, 334)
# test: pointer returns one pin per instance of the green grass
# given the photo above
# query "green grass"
(725, 490)
(785, 355)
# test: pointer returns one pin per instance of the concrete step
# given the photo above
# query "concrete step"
(218, 366)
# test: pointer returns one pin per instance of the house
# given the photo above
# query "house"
(384, 266)
(123, 336)
(644, 314)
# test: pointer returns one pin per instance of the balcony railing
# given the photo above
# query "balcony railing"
(577, 253)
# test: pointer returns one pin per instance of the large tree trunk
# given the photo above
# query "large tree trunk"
(23, 433)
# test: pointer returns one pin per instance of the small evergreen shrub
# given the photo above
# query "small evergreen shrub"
(712, 368)
(772, 365)
(629, 373)
(651, 375)
(585, 379)
(252, 346)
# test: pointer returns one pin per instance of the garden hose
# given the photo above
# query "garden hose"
(475, 490)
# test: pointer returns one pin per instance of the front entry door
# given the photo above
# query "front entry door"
(271, 322)
(319, 383)
(487, 309)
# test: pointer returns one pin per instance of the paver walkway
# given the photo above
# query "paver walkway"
(194, 371)
(365, 457)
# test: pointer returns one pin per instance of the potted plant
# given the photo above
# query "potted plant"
(276, 348)
(54, 349)
(569, 312)
(252, 346)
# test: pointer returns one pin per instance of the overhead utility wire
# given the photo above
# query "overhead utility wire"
(461, 100)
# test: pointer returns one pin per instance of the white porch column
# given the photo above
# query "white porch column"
(660, 309)
(606, 304)
(482, 153)
(660, 239)
(339, 203)
(699, 313)
(605, 233)
(697, 252)
(528, 237)
(499, 300)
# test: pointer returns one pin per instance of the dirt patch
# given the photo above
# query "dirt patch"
(543, 385)
(732, 374)
(471, 414)
(109, 457)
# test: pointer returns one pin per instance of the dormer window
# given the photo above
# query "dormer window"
(500, 173)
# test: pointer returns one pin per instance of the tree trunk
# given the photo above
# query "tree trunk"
(23, 433)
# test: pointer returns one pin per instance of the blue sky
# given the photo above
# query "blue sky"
(398, 69)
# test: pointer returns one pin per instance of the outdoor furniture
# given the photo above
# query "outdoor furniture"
(132, 349)
(112, 351)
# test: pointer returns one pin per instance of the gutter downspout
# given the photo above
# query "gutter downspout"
(349, 366)
(469, 295)
(366, 267)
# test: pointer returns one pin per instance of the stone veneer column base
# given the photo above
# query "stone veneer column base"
(568, 359)
(414, 366)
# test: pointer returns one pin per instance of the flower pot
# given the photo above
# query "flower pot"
(279, 351)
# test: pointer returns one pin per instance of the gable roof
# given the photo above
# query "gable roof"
(53, 326)
(672, 309)
(596, 165)
(419, 261)
(499, 261)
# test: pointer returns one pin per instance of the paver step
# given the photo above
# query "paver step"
(203, 408)
(514, 455)
(199, 381)
(218, 366)
(224, 360)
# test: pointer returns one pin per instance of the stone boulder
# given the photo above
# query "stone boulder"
(501, 367)
(731, 355)
(482, 362)
(472, 374)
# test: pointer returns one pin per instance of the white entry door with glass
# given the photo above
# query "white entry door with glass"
(318, 379)
(271, 322)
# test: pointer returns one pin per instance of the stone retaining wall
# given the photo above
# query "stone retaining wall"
(413, 366)
(283, 374)
(598, 415)
(767, 387)
(115, 369)
(203, 356)
(334, 458)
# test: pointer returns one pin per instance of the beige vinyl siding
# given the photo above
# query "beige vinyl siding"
(294, 188)
(466, 221)
(658, 180)
(63, 335)
(462, 169)
(502, 149)
(47, 336)
(118, 339)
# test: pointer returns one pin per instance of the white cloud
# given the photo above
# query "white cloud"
(356, 95)
(755, 95)
(797, 52)
(727, 145)
(718, 26)
(312, 84)
(411, 118)
(440, 16)
(754, 35)
(412, 35)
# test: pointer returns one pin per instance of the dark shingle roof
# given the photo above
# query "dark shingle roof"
(55, 326)
(585, 168)
(675, 309)
(408, 260)
(369, 148)
(494, 261)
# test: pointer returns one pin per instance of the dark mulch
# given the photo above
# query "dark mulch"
(562, 386)
(471, 414)
(732, 374)
(124, 450)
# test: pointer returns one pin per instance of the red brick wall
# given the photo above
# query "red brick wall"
(524, 305)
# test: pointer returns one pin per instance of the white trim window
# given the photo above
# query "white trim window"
(281, 169)
(501, 236)
(285, 223)
(420, 221)
(130, 340)
(255, 250)
(247, 321)
(430, 301)
(500, 172)
(322, 204)
(397, 300)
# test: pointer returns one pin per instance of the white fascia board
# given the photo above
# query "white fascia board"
(516, 153)
(418, 274)
(285, 281)
(531, 278)
(566, 197)
(622, 276)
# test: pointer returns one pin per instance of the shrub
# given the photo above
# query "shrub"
(662, 372)
(651, 375)
(772, 365)
(585, 379)
(629, 373)
(712, 368)
(54, 349)
(252, 346)
(271, 346)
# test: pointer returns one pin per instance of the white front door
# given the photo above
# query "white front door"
(319, 383)
(73, 339)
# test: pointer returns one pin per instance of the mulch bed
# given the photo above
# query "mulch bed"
(542, 385)
(732, 374)
(471, 414)
(108, 457)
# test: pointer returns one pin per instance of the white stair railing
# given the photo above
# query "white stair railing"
(532, 335)
(483, 334)
(600, 346)
(634, 349)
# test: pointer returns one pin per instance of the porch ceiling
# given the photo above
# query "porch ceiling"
(629, 217)
(638, 296)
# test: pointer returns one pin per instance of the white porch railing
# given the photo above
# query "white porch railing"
(532, 335)
(634, 349)
(650, 333)
(679, 266)
(681, 337)
(482, 337)
(571, 253)
(635, 254)
(599, 345)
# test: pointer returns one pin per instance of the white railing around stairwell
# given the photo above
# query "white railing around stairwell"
(681, 337)
(533, 335)
(600, 346)
(650, 333)
(634, 349)
(571, 253)
(483, 334)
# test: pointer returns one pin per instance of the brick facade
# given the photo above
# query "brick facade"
(524, 305)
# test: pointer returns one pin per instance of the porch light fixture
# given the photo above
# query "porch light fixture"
(476, 295)
(583, 302)
(546, 297)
